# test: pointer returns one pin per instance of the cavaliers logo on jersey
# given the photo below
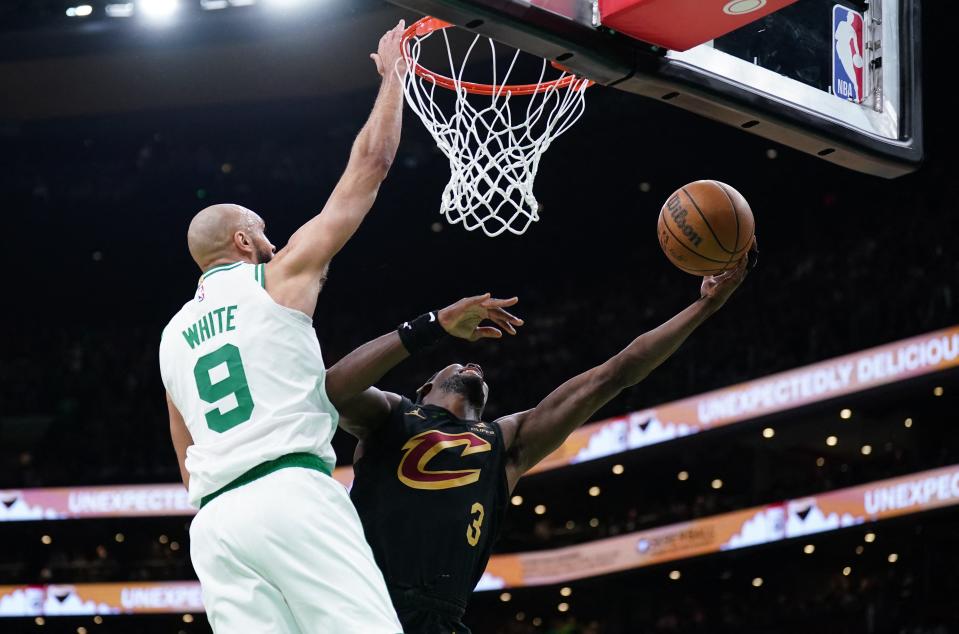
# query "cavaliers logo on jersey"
(414, 470)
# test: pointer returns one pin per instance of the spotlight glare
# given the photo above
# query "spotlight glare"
(593, 491)
(71, 12)
(505, 597)
(594, 522)
(674, 575)
(937, 391)
(516, 500)
(846, 571)
(84, 10)
(563, 607)
(866, 450)
(683, 476)
(119, 10)
(870, 538)
(540, 509)
(158, 9)
(716, 484)
(769, 432)
(845, 413)
(893, 558)
(758, 581)
(565, 591)
(809, 549)
(213, 5)
(907, 423)
(832, 441)
(618, 469)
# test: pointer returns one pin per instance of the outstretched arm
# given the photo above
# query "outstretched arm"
(349, 383)
(538, 432)
(295, 274)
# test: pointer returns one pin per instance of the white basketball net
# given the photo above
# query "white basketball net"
(493, 152)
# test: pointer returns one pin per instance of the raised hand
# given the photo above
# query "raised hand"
(716, 289)
(388, 55)
(463, 318)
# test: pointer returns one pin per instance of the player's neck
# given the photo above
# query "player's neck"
(455, 404)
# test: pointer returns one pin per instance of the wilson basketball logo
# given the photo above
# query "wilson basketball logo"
(414, 471)
(679, 215)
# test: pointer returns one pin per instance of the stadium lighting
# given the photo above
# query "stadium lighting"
(242, 3)
(594, 491)
(870, 538)
(892, 558)
(187, 618)
(537, 621)
(174, 546)
(521, 616)
(563, 607)
(832, 441)
(119, 538)
(47, 540)
(84, 10)
(820, 461)
(81, 630)
(505, 597)
(618, 469)
(516, 500)
(674, 575)
(158, 9)
(809, 549)
(716, 484)
(39, 620)
(846, 571)
(594, 522)
(565, 591)
(866, 450)
(119, 10)
(683, 476)
(758, 581)
(98, 619)
(937, 391)
(769, 432)
(213, 5)
(907, 423)
(860, 549)
(845, 413)
(540, 509)
(164, 539)
(570, 525)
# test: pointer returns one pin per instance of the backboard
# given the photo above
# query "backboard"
(839, 80)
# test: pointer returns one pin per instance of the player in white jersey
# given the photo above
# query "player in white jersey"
(277, 545)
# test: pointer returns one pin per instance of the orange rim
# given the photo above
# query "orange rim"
(427, 25)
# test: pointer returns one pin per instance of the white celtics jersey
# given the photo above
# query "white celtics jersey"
(247, 376)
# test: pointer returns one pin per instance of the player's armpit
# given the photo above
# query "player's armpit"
(363, 414)
(182, 439)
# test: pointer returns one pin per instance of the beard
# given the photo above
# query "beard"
(469, 386)
(263, 255)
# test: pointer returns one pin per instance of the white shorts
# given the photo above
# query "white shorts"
(286, 554)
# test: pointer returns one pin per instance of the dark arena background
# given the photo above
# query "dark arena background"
(818, 491)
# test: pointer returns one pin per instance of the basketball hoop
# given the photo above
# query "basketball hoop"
(493, 152)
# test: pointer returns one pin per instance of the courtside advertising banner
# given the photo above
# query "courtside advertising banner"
(740, 529)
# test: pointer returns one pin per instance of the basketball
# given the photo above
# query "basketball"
(705, 227)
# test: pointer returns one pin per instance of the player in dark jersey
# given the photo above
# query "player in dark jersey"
(432, 479)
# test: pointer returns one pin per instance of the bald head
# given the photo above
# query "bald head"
(227, 232)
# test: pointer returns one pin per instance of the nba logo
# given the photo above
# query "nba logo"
(847, 54)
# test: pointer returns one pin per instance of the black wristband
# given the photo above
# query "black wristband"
(422, 333)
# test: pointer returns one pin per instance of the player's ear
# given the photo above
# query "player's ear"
(423, 390)
(242, 241)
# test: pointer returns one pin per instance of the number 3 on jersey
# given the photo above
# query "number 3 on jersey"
(473, 530)
(233, 383)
